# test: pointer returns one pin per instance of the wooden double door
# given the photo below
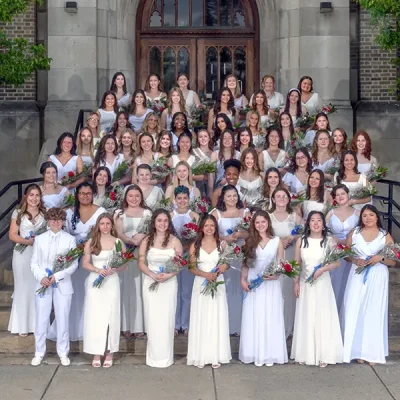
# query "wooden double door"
(206, 61)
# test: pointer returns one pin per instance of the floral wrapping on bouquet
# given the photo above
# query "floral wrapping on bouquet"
(113, 199)
(165, 204)
(122, 170)
(200, 205)
(61, 263)
(160, 169)
(197, 113)
(189, 232)
(41, 229)
(304, 122)
(252, 197)
(363, 192)
(174, 264)
(377, 173)
(203, 167)
(68, 201)
(330, 206)
(158, 106)
(328, 109)
(117, 259)
(72, 177)
(333, 254)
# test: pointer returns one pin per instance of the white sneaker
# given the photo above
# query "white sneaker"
(36, 361)
(65, 362)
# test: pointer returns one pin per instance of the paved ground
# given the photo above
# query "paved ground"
(131, 379)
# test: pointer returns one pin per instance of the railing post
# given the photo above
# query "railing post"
(19, 191)
(390, 208)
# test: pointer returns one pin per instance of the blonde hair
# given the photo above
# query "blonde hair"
(248, 116)
(97, 114)
(176, 181)
(238, 92)
(79, 143)
(182, 102)
(146, 122)
(133, 145)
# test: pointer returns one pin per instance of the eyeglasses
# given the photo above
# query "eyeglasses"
(281, 197)
(85, 194)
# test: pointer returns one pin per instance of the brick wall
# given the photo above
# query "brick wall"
(377, 75)
(22, 26)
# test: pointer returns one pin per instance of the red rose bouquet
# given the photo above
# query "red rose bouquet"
(200, 205)
(72, 176)
(160, 169)
(189, 232)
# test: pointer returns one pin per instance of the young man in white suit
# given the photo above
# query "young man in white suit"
(46, 248)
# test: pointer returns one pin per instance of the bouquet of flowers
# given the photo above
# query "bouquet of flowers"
(333, 168)
(237, 125)
(72, 177)
(200, 205)
(304, 122)
(296, 199)
(203, 167)
(334, 254)
(165, 203)
(198, 112)
(297, 230)
(123, 169)
(363, 192)
(174, 264)
(330, 206)
(144, 225)
(295, 143)
(41, 229)
(211, 288)
(244, 110)
(243, 225)
(329, 109)
(391, 251)
(160, 169)
(104, 132)
(68, 201)
(60, 263)
(118, 259)
(377, 173)
(252, 197)
(158, 106)
(112, 199)
(189, 232)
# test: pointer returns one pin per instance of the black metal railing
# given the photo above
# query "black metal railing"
(392, 205)
(80, 121)
(19, 185)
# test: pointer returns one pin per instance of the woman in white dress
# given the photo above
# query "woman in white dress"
(107, 155)
(287, 128)
(297, 176)
(262, 339)
(203, 152)
(159, 247)
(275, 99)
(272, 181)
(222, 123)
(317, 339)
(79, 224)
(181, 216)
(367, 294)
(309, 98)
(341, 220)
(349, 175)
(315, 195)
(274, 155)
(118, 86)
(339, 137)
(261, 105)
(321, 123)
(138, 110)
(93, 124)
(322, 152)
(66, 160)
(152, 125)
(175, 103)
(209, 341)
(232, 83)
(107, 111)
(250, 178)
(244, 139)
(127, 222)
(229, 213)
(192, 99)
(254, 125)
(154, 88)
(53, 193)
(101, 185)
(85, 146)
(25, 221)
(127, 147)
(184, 151)
(152, 194)
(102, 319)
(361, 145)
(121, 126)
(293, 105)
(284, 220)
(179, 125)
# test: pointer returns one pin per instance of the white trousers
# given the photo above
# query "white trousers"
(62, 306)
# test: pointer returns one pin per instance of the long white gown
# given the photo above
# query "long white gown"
(132, 319)
(102, 319)
(316, 337)
(366, 306)
(269, 162)
(209, 341)
(263, 339)
(55, 199)
(63, 169)
(283, 229)
(22, 318)
(159, 311)
(340, 230)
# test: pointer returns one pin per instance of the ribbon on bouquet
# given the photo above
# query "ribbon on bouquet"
(367, 270)
(229, 231)
(49, 273)
(310, 279)
(213, 271)
(97, 282)
(254, 284)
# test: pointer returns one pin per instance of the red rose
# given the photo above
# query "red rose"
(69, 258)
(113, 196)
(184, 262)
(341, 247)
(71, 174)
(287, 267)
(294, 196)
(334, 203)
(236, 250)
(202, 209)
(397, 254)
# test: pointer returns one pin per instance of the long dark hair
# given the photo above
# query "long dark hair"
(293, 165)
(95, 175)
(281, 143)
(221, 156)
(101, 152)
(103, 100)
(115, 127)
(186, 124)
(187, 135)
(341, 175)
(265, 102)
(221, 203)
(291, 127)
(307, 230)
(238, 143)
(113, 87)
(360, 225)
(64, 135)
(46, 165)
(152, 229)
(133, 104)
(76, 216)
(287, 105)
(199, 239)
(231, 102)
(254, 238)
(303, 78)
(321, 187)
(217, 131)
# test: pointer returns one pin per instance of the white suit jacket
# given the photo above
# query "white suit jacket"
(46, 247)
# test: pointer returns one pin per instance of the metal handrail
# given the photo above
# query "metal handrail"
(80, 120)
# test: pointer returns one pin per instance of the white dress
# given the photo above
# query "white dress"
(311, 205)
(263, 339)
(323, 167)
(251, 190)
(265, 121)
(275, 101)
(124, 100)
(159, 311)
(107, 119)
(22, 318)
(63, 169)
(294, 184)
(366, 306)
(354, 186)
(185, 279)
(239, 101)
(176, 160)
(232, 276)
(365, 168)
(132, 319)
(115, 164)
(154, 197)
(258, 141)
(313, 104)
(189, 103)
(269, 162)
(340, 230)
(137, 122)
(55, 199)
(102, 319)
(283, 229)
(209, 341)
(200, 155)
(316, 336)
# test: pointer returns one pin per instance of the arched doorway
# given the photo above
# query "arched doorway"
(207, 39)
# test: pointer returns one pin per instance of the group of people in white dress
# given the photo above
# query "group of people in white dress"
(328, 320)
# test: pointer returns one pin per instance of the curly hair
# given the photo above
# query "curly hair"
(200, 236)
(182, 102)
(101, 152)
(180, 189)
(56, 214)
(281, 143)
(23, 205)
(368, 146)
(231, 102)
(307, 230)
(153, 232)
(221, 206)
(293, 165)
(103, 100)
(254, 238)
(289, 208)
(265, 105)
(341, 173)
(314, 150)
(321, 187)
(95, 244)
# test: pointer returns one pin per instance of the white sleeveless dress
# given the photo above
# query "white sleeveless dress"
(220, 171)
(154, 197)
(185, 279)
(23, 314)
(251, 191)
(55, 199)
(107, 119)
(323, 167)
(366, 306)
(294, 184)
(269, 162)
(189, 103)
(115, 164)
(63, 169)
(316, 337)
(263, 339)
(313, 104)
(176, 160)
(311, 205)
(281, 230)
(137, 122)
(365, 168)
(159, 311)
(102, 318)
(209, 341)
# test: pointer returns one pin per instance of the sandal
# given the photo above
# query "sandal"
(96, 363)
(23, 334)
(215, 366)
(108, 363)
(322, 364)
(361, 361)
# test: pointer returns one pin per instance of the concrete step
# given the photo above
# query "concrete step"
(5, 312)
(5, 295)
